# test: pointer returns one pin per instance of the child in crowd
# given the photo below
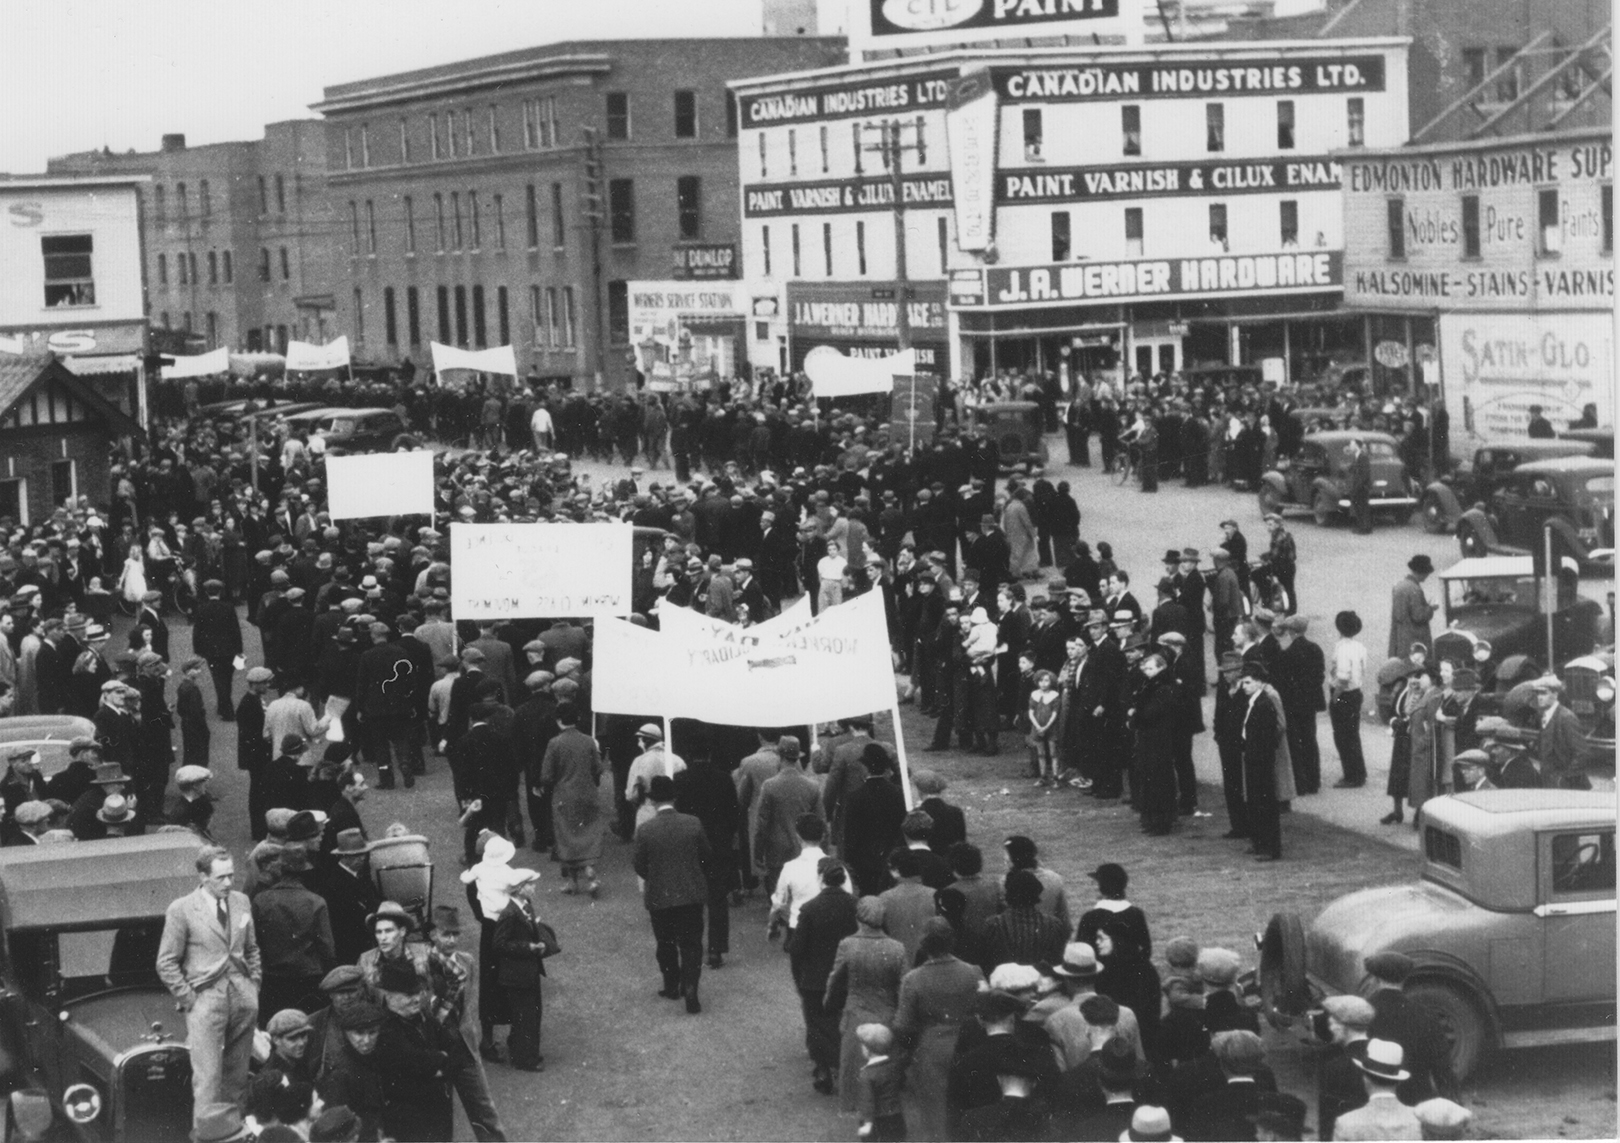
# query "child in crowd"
(1043, 723)
(193, 712)
(877, 1103)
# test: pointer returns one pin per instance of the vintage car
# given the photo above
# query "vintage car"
(45, 727)
(1492, 611)
(364, 430)
(1017, 429)
(93, 1045)
(1511, 924)
(1601, 440)
(1468, 485)
(1317, 477)
(1572, 495)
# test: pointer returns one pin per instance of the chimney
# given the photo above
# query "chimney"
(174, 142)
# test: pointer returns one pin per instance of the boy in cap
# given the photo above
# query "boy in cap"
(1442, 1119)
(1343, 1023)
(193, 714)
(191, 805)
(878, 1107)
(354, 1077)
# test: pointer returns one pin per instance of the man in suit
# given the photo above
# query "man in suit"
(484, 771)
(522, 952)
(1223, 1111)
(1560, 742)
(148, 620)
(671, 856)
(1359, 472)
(343, 880)
(825, 919)
(1301, 671)
(344, 812)
(1225, 599)
(1340, 1086)
(1395, 1017)
(783, 797)
(1383, 1116)
(1410, 610)
(1260, 733)
(704, 790)
(498, 659)
(385, 689)
(209, 959)
(949, 823)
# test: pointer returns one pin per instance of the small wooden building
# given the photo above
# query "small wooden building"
(55, 430)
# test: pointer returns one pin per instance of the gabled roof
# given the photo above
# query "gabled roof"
(20, 373)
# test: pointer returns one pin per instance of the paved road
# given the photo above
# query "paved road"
(623, 1064)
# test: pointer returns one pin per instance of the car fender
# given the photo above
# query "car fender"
(1443, 968)
(1277, 481)
(1332, 487)
(1446, 497)
(1482, 525)
(1566, 541)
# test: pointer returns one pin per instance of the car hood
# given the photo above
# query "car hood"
(111, 1023)
(1397, 917)
(1497, 624)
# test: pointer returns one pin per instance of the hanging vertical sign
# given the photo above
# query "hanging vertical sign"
(971, 118)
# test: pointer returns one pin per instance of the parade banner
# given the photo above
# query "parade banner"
(683, 623)
(380, 484)
(199, 365)
(538, 571)
(501, 359)
(834, 375)
(303, 355)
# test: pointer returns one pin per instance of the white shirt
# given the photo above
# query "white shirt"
(643, 770)
(799, 881)
(1349, 665)
(541, 421)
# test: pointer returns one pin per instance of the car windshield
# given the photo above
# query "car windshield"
(89, 961)
(1497, 591)
(341, 425)
(1381, 450)
(1600, 487)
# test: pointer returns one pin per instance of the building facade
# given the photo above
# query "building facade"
(1099, 209)
(513, 199)
(1506, 250)
(237, 235)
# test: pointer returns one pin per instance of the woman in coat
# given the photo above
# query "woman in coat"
(1426, 779)
(572, 772)
(1022, 536)
(1407, 693)
(865, 983)
(936, 999)
(1128, 977)
(1160, 709)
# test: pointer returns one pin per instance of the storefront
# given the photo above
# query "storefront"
(1505, 251)
(860, 319)
(687, 334)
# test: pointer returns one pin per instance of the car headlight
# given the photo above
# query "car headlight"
(81, 1103)
(1605, 691)
(1482, 652)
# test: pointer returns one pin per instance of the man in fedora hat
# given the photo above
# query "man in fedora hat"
(342, 877)
(1410, 610)
(454, 976)
(253, 752)
(413, 1057)
(1067, 1027)
(108, 778)
(1383, 1116)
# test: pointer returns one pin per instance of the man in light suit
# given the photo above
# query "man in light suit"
(209, 960)
(1383, 1116)
(671, 857)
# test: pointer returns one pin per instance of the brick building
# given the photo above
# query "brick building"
(236, 237)
(467, 213)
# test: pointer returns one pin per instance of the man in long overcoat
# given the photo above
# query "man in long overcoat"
(1410, 610)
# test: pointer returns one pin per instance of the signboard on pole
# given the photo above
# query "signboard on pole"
(885, 25)
(972, 114)
(380, 484)
(305, 356)
(912, 420)
(533, 571)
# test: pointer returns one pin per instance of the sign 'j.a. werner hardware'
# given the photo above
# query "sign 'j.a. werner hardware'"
(711, 260)
(1228, 79)
(844, 196)
(887, 24)
(1159, 180)
(1155, 279)
(813, 102)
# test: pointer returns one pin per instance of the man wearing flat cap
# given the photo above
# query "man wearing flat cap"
(1343, 1022)
(1559, 743)
(26, 824)
(1398, 1018)
(1300, 674)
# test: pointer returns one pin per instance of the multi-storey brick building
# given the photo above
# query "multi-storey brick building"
(236, 234)
(473, 211)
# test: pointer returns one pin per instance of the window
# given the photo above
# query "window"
(205, 201)
(480, 330)
(477, 227)
(1395, 223)
(764, 167)
(281, 339)
(1606, 198)
(531, 215)
(264, 263)
(686, 120)
(535, 317)
(359, 316)
(765, 247)
(1288, 217)
(1032, 135)
(14, 499)
(225, 261)
(163, 269)
(286, 264)
(1214, 126)
(180, 200)
(553, 317)
(558, 226)
(255, 340)
(826, 159)
(404, 142)
(281, 195)
(461, 315)
(1355, 112)
(438, 216)
(1583, 862)
(211, 328)
(365, 144)
(1285, 124)
(1133, 232)
(494, 131)
(433, 136)
(500, 222)
(1441, 847)
(165, 319)
(68, 277)
(531, 124)
(354, 228)
(213, 268)
(622, 209)
(1507, 84)
(191, 262)
(410, 226)
(826, 248)
(348, 148)
(413, 315)
(1060, 236)
(731, 116)
(618, 115)
(455, 221)
(502, 316)
(160, 204)
(944, 241)
(860, 247)
(64, 478)
(570, 332)
(450, 145)
(467, 130)
(444, 315)
(390, 326)
(689, 205)
(371, 228)
(1474, 66)
(1547, 210)
(793, 152)
(1130, 125)
(548, 122)
(1217, 225)
(264, 195)
(794, 237)
(1470, 225)
(618, 294)
(185, 321)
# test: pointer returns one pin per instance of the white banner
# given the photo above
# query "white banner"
(501, 359)
(199, 365)
(684, 623)
(971, 118)
(834, 375)
(538, 571)
(380, 484)
(302, 355)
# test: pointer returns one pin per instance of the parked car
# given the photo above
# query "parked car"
(1492, 609)
(1317, 477)
(364, 430)
(1016, 428)
(93, 1046)
(40, 727)
(1601, 440)
(1468, 485)
(1511, 924)
(1574, 494)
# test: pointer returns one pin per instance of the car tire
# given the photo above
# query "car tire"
(404, 441)
(1270, 500)
(1460, 1020)
(1470, 542)
(1435, 520)
(1324, 507)
(1284, 989)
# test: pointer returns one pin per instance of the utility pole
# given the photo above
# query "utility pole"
(890, 145)
(592, 211)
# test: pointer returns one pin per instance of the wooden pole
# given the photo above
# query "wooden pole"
(900, 753)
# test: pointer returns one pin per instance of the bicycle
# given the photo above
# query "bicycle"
(179, 591)
(1125, 464)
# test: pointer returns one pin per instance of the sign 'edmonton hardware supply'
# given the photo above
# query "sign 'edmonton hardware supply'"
(1154, 279)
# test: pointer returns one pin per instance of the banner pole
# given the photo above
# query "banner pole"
(900, 753)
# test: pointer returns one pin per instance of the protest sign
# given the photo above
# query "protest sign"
(500, 359)
(303, 355)
(199, 365)
(530, 571)
(684, 623)
(380, 484)
(834, 375)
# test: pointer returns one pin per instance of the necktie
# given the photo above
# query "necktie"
(224, 915)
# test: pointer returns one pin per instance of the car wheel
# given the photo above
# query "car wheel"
(1270, 500)
(1470, 541)
(1284, 989)
(405, 441)
(1323, 507)
(1435, 520)
(1460, 1020)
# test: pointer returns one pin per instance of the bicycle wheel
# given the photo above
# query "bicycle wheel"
(1126, 468)
(184, 597)
(127, 606)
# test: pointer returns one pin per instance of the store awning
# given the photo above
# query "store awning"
(96, 366)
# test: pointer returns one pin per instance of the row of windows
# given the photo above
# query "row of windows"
(1219, 238)
(1549, 224)
(800, 254)
(477, 131)
(864, 142)
(463, 318)
(186, 267)
(1130, 127)
(210, 325)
